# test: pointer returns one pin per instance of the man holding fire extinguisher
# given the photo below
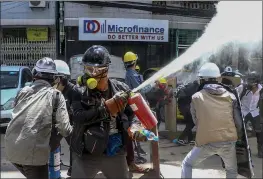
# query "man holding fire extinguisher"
(101, 120)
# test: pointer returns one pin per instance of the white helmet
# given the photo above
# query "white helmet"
(62, 67)
(228, 69)
(209, 70)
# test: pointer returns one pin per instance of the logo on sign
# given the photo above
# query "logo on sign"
(94, 26)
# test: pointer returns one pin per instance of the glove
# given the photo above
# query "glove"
(117, 103)
(135, 134)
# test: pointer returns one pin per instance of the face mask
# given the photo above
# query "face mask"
(55, 82)
(162, 86)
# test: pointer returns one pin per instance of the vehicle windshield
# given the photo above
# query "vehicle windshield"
(9, 79)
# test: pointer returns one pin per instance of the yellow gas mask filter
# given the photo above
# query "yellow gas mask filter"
(91, 83)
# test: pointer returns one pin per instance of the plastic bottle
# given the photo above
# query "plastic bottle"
(150, 135)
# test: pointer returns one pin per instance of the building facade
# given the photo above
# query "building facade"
(182, 32)
(27, 31)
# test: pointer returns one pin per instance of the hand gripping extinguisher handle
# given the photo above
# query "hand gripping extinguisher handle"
(118, 102)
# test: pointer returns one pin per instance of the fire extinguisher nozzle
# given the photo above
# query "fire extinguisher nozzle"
(129, 93)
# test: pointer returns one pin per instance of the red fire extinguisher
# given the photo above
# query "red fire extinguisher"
(142, 110)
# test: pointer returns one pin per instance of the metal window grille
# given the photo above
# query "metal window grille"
(18, 51)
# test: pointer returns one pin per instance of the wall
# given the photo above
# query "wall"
(19, 13)
(73, 11)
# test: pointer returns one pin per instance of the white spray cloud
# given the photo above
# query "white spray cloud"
(237, 24)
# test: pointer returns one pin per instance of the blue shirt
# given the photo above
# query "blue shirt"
(132, 78)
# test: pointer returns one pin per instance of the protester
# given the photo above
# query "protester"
(28, 136)
(133, 79)
(218, 120)
(249, 93)
(101, 120)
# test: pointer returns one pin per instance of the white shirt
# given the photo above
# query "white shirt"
(249, 102)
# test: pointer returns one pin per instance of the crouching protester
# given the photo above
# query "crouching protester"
(218, 120)
(28, 135)
(101, 120)
(158, 97)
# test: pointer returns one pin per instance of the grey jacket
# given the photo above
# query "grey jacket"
(28, 133)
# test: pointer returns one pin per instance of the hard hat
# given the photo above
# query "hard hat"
(62, 67)
(228, 69)
(130, 57)
(97, 56)
(137, 68)
(45, 68)
(162, 80)
(228, 72)
(209, 70)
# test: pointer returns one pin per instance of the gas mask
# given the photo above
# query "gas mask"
(91, 83)
(94, 77)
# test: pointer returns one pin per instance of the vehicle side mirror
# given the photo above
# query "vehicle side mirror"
(28, 83)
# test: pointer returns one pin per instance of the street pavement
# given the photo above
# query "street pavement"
(170, 158)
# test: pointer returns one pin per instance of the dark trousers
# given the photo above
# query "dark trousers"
(257, 127)
(88, 166)
(160, 115)
(188, 128)
(33, 172)
(130, 151)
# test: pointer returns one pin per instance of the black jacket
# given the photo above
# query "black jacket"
(67, 93)
(88, 110)
(184, 96)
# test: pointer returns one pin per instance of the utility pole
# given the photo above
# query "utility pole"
(57, 18)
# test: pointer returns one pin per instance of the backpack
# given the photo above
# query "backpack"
(55, 138)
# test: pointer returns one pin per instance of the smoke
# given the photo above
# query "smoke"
(233, 34)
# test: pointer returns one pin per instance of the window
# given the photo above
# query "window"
(9, 79)
(188, 37)
(14, 32)
(26, 77)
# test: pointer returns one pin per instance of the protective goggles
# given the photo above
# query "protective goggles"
(94, 71)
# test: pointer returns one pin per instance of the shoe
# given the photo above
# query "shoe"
(260, 155)
(192, 142)
(141, 152)
(69, 172)
(181, 142)
(140, 160)
(260, 151)
(137, 169)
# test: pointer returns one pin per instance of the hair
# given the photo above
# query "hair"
(50, 81)
(208, 80)
(227, 81)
